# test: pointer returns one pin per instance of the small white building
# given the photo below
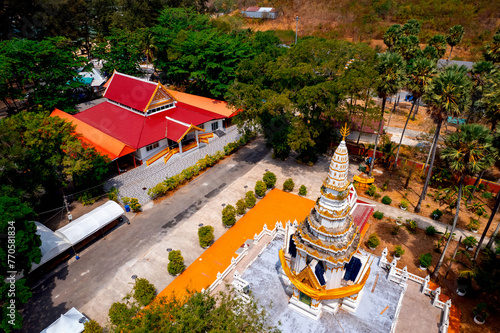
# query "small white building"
(260, 12)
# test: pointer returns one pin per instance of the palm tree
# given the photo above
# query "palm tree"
(408, 47)
(419, 77)
(492, 52)
(391, 78)
(439, 42)
(468, 151)
(454, 37)
(392, 35)
(411, 27)
(490, 102)
(447, 95)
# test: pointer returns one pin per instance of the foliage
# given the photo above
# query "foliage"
(250, 199)
(395, 230)
(454, 36)
(86, 198)
(120, 51)
(430, 230)
(377, 196)
(125, 200)
(378, 215)
(119, 313)
(371, 190)
(492, 51)
(206, 235)
(302, 190)
(386, 200)
(425, 260)
(373, 241)
(411, 225)
(436, 214)
(176, 262)
(398, 251)
(135, 205)
(470, 241)
(481, 310)
(404, 203)
(241, 206)
(92, 326)
(487, 195)
(144, 291)
(260, 188)
(288, 185)
(113, 194)
(473, 225)
(229, 215)
(270, 179)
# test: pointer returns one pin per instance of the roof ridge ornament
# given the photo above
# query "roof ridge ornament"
(344, 131)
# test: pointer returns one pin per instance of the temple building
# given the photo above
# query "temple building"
(320, 256)
(143, 121)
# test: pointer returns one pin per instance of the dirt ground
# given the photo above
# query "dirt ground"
(418, 243)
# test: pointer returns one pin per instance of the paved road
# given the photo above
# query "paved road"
(76, 283)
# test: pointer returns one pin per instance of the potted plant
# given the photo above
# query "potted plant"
(436, 214)
(288, 185)
(373, 241)
(250, 199)
(473, 225)
(269, 179)
(425, 261)
(176, 262)
(480, 313)
(469, 242)
(399, 220)
(302, 190)
(398, 252)
(228, 216)
(404, 204)
(260, 189)
(241, 206)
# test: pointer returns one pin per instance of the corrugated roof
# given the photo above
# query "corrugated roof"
(252, 9)
(130, 91)
(103, 143)
(208, 104)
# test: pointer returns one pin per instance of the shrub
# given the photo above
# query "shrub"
(481, 310)
(378, 215)
(436, 214)
(176, 262)
(229, 215)
(206, 235)
(395, 230)
(302, 190)
(288, 185)
(373, 241)
(92, 326)
(481, 187)
(386, 200)
(270, 179)
(241, 206)
(113, 194)
(250, 199)
(135, 205)
(86, 199)
(473, 225)
(404, 204)
(470, 241)
(260, 188)
(120, 314)
(487, 195)
(398, 251)
(411, 225)
(385, 185)
(144, 291)
(425, 260)
(371, 190)
(377, 196)
(125, 200)
(430, 230)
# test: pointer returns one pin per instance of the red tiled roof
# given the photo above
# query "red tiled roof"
(131, 91)
(252, 9)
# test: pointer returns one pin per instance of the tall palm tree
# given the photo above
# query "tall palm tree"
(468, 151)
(447, 95)
(454, 37)
(439, 42)
(419, 77)
(492, 51)
(391, 78)
(480, 75)
(392, 35)
(490, 102)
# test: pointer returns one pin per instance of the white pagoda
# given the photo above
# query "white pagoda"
(320, 258)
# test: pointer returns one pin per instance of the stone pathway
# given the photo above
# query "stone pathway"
(136, 182)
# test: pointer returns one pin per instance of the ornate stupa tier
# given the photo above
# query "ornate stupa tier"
(337, 173)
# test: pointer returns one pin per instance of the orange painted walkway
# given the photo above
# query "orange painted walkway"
(274, 207)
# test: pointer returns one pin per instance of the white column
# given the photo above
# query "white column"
(196, 136)
(180, 146)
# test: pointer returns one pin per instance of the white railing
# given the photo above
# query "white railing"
(401, 276)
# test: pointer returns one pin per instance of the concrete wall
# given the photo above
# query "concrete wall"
(142, 154)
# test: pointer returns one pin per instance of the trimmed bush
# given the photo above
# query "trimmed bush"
(411, 225)
(125, 200)
(302, 190)
(113, 194)
(430, 230)
(404, 204)
(206, 235)
(398, 251)
(386, 200)
(473, 225)
(373, 241)
(288, 185)
(120, 314)
(176, 262)
(377, 196)
(425, 260)
(470, 241)
(250, 199)
(135, 205)
(378, 215)
(260, 188)
(144, 291)
(436, 214)
(270, 179)
(92, 326)
(371, 190)
(229, 215)
(241, 207)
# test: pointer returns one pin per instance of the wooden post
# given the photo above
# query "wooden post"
(118, 167)
(133, 157)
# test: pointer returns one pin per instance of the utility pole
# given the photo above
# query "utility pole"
(296, 28)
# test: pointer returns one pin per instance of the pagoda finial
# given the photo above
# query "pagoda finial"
(344, 131)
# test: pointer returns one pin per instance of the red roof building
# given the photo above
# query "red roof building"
(144, 118)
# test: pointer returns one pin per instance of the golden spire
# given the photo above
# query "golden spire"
(344, 131)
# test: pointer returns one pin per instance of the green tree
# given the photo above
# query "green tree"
(408, 47)
(430, 53)
(390, 79)
(454, 37)
(468, 151)
(481, 76)
(392, 35)
(447, 95)
(439, 42)
(411, 27)
(490, 101)
(492, 51)
(20, 248)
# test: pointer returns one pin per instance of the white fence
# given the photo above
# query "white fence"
(401, 276)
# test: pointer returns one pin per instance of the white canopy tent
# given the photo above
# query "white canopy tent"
(52, 244)
(89, 223)
(70, 322)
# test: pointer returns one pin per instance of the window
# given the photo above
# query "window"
(202, 126)
(215, 126)
(152, 146)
